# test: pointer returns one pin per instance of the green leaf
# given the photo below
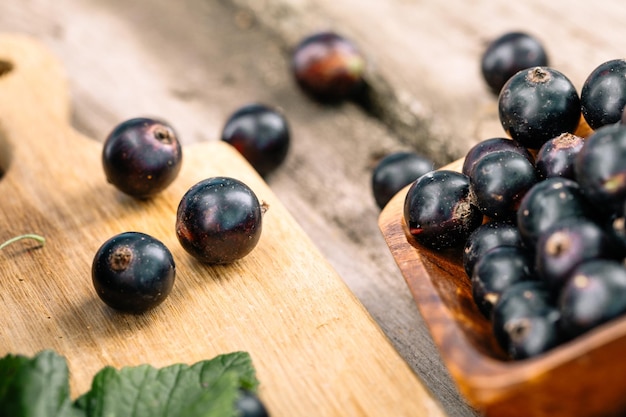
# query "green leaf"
(35, 387)
(241, 362)
(39, 387)
(205, 389)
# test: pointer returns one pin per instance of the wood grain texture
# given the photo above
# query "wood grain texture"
(194, 61)
(314, 345)
(584, 377)
(424, 56)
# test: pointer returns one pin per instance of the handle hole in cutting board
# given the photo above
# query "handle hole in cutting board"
(5, 150)
(5, 67)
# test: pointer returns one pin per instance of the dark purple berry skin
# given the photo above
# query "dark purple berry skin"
(600, 168)
(328, 67)
(508, 54)
(133, 272)
(526, 321)
(593, 295)
(248, 404)
(394, 172)
(556, 157)
(488, 236)
(438, 210)
(497, 270)
(499, 180)
(141, 157)
(603, 95)
(538, 104)
(487, 146)
(546, 203)
(617, 229)
(219, 220)
(261, 134)
(566, 245)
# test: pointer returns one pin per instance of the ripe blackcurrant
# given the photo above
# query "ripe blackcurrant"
(546, 203)
(556, 157)
(538, 104)
(600, 168)
(438, 209)
(508, 54)
(142, 156)
(567, 244)
(488, 236)
(328, 67)
(261, 134)
(594, 294)
(603, 95)
(219, 220)
(499, 180)
(133, 272)
(395, 171)
(487, 146)
(525, 320)
(617, 230)
(248, 404)
(497, 270)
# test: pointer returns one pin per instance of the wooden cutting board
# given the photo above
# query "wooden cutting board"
(315, 348)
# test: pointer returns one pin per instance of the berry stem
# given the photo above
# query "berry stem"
(32, 236)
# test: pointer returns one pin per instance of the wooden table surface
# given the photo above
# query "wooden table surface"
(193, 62)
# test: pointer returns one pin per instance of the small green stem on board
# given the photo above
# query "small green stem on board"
(32, 236)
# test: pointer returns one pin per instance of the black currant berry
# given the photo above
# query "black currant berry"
(499, 180)
(617, 229)
(594, 294)
(248, 404)
(556, 157)
(395, 171)
(487, 236)
(600, 168)
(525, 320)
(538, 104)
(438, 209)
(567, 244)
(261, 134)
(603, 95)
(508, 54)
(497, 270)
(133, 272)
(328, 67)
(546, 203)
(219, 220)
(487, 146)
(142, 156)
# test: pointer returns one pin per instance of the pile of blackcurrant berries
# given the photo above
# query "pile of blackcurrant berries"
(538, 216)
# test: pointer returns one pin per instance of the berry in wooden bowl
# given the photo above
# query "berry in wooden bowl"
(581, 377)
(509, 53)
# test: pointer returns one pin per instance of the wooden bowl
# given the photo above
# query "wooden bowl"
(585, 377)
